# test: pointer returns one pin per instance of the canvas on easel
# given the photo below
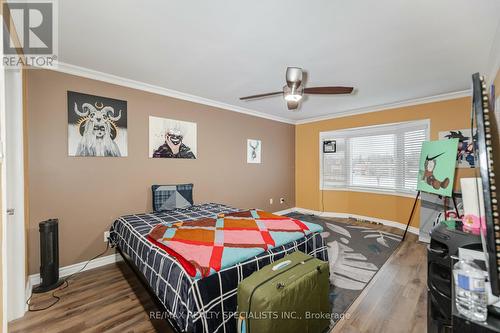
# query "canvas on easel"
(437, 167)
(436, 172)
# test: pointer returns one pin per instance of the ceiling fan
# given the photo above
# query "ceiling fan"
(293, 90)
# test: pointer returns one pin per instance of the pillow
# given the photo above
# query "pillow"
(168, 197)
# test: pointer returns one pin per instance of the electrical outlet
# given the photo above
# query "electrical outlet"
(106, 236)
(271, 201)
(282, 200)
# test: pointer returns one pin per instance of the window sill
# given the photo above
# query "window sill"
(370, 191)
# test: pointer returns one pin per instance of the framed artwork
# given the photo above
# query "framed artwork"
(97, 126)
(169, 138)
(254, 150)
(329, 146)
(465, 151)
(437, 167)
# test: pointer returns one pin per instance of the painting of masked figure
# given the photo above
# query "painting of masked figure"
(254, 149)
(97, 126)
(169, 138)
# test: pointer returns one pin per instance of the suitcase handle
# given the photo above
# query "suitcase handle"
(241, 328)
(281, 265)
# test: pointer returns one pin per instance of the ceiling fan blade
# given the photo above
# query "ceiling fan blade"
(292, 105)
(293, 76)
(261, 95)
(328, 90)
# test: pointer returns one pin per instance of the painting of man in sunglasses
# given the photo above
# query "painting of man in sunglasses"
(173, 146)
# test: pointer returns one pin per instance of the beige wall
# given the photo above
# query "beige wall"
(446, 115)
(87, 194)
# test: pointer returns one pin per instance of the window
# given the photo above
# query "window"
(381, 158)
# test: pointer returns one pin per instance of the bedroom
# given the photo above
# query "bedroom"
(129, 126)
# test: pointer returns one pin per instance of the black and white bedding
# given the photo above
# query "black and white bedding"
(203, 305)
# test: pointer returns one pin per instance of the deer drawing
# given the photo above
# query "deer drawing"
(254, 149)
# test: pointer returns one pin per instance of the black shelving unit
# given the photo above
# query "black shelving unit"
(444, 245)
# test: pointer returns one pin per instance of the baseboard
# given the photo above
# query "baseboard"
(285, 211)
(27, 293)
(389, 223)
(34, 279)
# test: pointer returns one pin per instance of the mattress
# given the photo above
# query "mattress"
(195, 305)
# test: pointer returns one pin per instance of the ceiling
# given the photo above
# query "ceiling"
(390, 50)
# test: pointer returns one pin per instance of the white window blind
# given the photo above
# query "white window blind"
(377, 158)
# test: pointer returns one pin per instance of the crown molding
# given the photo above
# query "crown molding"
(491, 77)
(388, 106)
(121, 81)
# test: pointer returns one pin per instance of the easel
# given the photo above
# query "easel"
(453, 198)
(411, 214)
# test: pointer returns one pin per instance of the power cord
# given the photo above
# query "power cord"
(65, 284)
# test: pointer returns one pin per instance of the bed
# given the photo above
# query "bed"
(189, 304)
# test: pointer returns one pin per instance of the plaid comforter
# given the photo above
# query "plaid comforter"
(196, 305)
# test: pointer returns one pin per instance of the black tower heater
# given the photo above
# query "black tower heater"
(49, 256)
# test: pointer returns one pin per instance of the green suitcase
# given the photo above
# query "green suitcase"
(289, 295)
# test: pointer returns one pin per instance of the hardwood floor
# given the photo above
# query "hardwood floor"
(107, 299)
(111, 299)
(396, 298)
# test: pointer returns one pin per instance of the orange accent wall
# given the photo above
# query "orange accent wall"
(444, 115)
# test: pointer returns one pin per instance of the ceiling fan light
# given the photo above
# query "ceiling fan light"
(291, 105)
(293, 97)
(293, 76)
(293, 94)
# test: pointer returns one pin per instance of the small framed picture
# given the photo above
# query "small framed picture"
(329, 146)
(254, 150)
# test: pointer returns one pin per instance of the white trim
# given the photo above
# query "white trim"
(121, 81)
(3, 195)
(409, 123)
(388, 106)
(371, 191)
(14, 164)
(34, 279)
(27, 294)
(285, 211)
(388, 223)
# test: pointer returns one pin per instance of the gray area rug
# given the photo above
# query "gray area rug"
(356, 253)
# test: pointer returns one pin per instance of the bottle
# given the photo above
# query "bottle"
(470, 292)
